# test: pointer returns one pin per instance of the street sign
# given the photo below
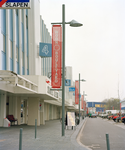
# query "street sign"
(67, 82)
(74, 95)
(45, 49)
(71, 89)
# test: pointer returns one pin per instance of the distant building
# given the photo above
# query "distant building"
(95, 106)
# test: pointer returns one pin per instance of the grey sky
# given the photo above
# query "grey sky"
(96, 50)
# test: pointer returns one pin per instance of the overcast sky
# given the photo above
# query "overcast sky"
(97, 49)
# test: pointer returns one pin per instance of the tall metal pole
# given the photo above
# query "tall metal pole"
(63, 70)
(107, 141)
(35, 128)
(79, 98)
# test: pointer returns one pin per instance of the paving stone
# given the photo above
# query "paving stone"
(48, 137)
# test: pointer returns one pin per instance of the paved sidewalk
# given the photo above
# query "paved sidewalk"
(48, 137)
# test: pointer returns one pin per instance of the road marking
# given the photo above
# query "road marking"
(2, 140)
(94, 146)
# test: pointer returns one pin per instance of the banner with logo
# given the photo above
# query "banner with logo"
(76, 92)
(45, 50)
(15, 4)
(56, 55)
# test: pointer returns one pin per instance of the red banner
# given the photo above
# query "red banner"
(76, 92)
(56, 55)
(82, 102)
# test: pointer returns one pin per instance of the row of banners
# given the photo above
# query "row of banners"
(53, 50)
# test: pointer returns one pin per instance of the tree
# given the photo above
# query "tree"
(112, 103)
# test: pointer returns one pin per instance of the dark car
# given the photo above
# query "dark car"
(123, 120)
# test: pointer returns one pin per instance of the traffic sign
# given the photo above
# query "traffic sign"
(67, 82)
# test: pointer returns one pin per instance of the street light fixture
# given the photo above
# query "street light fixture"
(72, 23)
(79, 95)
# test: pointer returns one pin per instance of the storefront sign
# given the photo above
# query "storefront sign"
(56, 55)
(70, 118)
(15, 4)
(100, 105)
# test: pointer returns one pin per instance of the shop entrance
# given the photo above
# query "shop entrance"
(24, 112)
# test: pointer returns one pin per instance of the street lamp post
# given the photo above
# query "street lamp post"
(79, 96)
(72, 23)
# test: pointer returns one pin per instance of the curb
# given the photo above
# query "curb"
(79, 135)
(76, 135)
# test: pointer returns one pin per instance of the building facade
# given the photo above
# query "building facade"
(123, 105)
(95, 107)
(25, 77)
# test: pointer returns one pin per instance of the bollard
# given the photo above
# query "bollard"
(35, 128)
(20, 139)
(107, 141)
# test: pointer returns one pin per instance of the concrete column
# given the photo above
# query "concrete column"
(11, 112)
(13, 107)
(25, 49)
(52, 113)
(44, 111)
(20, 46)
(14, 41)
(7, 41)
(48, 111)
(0, 45)
(42, 119)
(19, 110)
(33, 111)
(2, 108)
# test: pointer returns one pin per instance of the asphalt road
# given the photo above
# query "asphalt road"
(94, 134)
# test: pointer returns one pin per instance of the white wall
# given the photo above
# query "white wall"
(34, 38)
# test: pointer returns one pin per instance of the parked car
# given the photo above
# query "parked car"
(110, 116)
(104, 115)
(119, 118)
(93, 116)
(115, 117)
(123, 119)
